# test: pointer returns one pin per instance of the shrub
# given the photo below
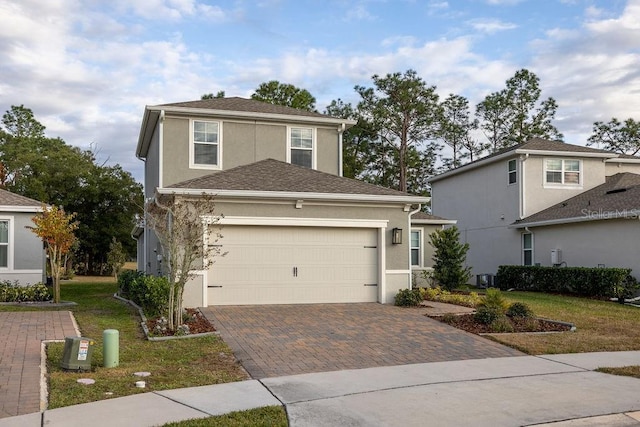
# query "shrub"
(449, 258)
(126, 279)
(494, 300)
(486, 315)
(151, 293)
(408, 297)
(14, 292)
(501, 325)
(583, 281)
(467, 300)
(519, 309)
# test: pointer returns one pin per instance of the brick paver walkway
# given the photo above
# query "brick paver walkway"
(21, 334)
(275, 340)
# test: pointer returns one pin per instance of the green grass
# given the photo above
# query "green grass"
(272, 416)
(173, 364)
(601, 325)
(627, 371)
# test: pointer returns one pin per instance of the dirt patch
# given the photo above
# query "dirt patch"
(196, 322)
(468, 323)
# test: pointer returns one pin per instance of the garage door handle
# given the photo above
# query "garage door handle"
(214, 286)
(295, 271)
(371, 284)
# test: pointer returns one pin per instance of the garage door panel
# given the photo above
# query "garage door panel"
(288, 265)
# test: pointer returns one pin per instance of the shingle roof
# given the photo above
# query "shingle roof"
(8, 198)
(274, 175)
(618, 196)
(425, 216)
(245, 105)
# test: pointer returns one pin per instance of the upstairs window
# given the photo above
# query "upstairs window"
(205, 144)
(4, 244)
(562, 172)
(415, 247)
(301, 147)
(512, 168)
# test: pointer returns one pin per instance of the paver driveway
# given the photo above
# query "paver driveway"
(276, 340)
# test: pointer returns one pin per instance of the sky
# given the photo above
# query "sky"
(87, 68)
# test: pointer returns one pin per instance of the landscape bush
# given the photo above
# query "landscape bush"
(151, 293)
(409, 297)
(487, 315)
(438, 294)
(582, 281)
(520, 309)
(502, 325)
(126, 280)
(14, 292)
(493, 299)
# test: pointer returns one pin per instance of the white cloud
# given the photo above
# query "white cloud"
(491, 26)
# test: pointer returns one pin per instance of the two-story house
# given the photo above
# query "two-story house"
(545, 203)
(294, 229)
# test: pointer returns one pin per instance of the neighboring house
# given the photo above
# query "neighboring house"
(295, 230)
(545, 203)
(22, 255)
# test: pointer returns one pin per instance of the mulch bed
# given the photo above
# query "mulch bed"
(467, 322)
(197, 323)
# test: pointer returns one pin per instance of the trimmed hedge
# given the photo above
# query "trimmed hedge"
(14, 292)
(583, 281)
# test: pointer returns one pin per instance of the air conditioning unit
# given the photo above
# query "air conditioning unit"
(484, 281)
(556, 256)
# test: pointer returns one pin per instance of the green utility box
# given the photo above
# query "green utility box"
(77, 353)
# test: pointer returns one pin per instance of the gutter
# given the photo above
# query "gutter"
(633, 214)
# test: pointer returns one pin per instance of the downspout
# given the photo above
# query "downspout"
(341, 130)
(409, 236)
(522, 195)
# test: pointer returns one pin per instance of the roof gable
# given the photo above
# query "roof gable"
(618, 197)
(16, 202)
(275, 176)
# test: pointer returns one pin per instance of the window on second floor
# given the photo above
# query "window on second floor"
(563, 172)
(4, 243)
(205, 147)
(512, 167)
(301, 146)
(416, 236)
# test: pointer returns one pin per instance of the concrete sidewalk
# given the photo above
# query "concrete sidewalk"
(511, 391)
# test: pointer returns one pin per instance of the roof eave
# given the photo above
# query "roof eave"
(631, 214)
(250, 194)
(149, 121)
(434, 221)
(17, 208)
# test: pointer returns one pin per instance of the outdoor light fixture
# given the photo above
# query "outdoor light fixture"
(396, 236)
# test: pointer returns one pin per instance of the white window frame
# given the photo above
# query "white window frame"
(513, 172)
(563, 171)
(524, 249)
(9, 244)
(314, 145)
(192, 142)
(412, 248)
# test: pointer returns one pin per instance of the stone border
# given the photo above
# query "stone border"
(40, 304)
(146, 329)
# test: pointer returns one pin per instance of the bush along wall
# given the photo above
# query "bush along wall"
(583, 281)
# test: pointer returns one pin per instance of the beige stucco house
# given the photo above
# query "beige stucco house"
(295, 230)
(22, 255)
(545, 202)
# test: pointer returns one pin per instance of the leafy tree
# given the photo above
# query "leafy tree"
(449, 258)
(285, 94)
(116, 257)
(219, 94)
(456, 129)
(620, 137)
(515, 114)
(180, 225)
(356, 141)
(56, 229)
(404, 111)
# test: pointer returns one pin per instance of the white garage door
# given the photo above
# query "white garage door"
(294, 265)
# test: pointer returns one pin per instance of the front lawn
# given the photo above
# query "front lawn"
(172, 364)
(601, 325)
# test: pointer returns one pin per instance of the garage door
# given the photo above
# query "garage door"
(294, 265)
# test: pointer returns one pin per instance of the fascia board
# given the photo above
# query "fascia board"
(149, 120)
(434, 221)
(586, 218)
(28, 209)
(248, 194)
(254, 115)
(622, 160)
(565, 153)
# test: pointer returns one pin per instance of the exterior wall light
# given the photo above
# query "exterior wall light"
(396, 236)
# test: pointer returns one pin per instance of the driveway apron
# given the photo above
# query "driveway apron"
(278, 340)
(21, 335)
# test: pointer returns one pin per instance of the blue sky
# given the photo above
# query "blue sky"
(87, 68)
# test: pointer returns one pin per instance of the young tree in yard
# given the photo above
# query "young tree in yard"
(449, 257)
(116, 257)
(404, 111)
(187, 230)
(620, 137)
(56, 229)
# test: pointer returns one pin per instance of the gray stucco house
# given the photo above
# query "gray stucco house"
(22, 255)
(545, 202)
(295, 230)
